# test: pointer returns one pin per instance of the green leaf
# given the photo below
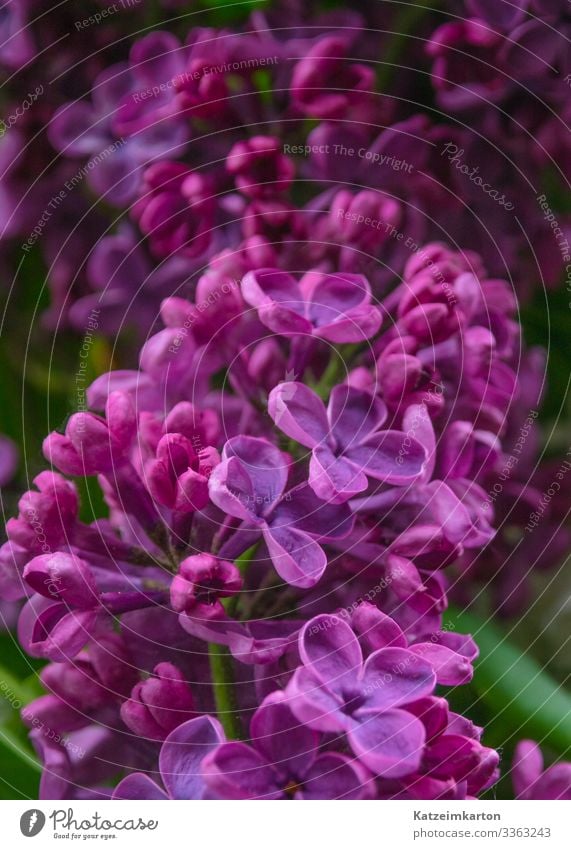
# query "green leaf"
(512, 684)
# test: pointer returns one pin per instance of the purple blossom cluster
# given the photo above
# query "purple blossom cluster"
(261, 614)
(302, 469)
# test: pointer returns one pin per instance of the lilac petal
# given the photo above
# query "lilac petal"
(253, 642)
(433, 713)
(527, 766)
(281, 319)
(116, 177)
(278, 735)
(46, 629)
(393, 677)
(375, 629)
(332, 296)
(314, 705)
(358, 325)
(13, 559)
(270, 285)
(297, 558)
(330, 649)
(157, 56)
(8, 460)
(63, 577)
(111, 86)
(278, 299)
(333, 776)
(449, 511)
(452, 756)
(555, 783)
(77, 130)
(390, 456)
(299, 413)
(182, 754)
(266, 466)
(417, 420)
(138, 786)
(146, 395)
(334, 480)
(354, 415)
(498, 15)
(390, 743)
(237, 771)
(116, 261)
(231, 489)
(301, 507)
(450, 668)
(463, 644)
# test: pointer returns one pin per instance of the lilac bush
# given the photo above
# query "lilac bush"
(326, 378)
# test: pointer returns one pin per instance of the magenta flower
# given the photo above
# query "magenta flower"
(259, 167)
(159, 704)
(333, 307)
(283, 762)
(250, 484)
(347, 444)
(326, 85)
(530, 779)
(201, 581)
(176, 209)
(335, 691)
(178, 477)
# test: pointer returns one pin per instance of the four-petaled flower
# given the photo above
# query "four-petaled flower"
(346, 442)
(334, 691)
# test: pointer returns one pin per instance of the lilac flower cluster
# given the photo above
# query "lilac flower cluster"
(302, 468)
(261, 614)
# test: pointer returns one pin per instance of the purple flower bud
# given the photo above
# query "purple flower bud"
(326, 85)
(64, 577)
(178, 477)
(259, 167)
(176, 210)
(201, 582)
(159, 704)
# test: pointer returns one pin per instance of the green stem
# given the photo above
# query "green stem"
(222, 669)
(405, 23)
(243, 564)
(336, 370)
